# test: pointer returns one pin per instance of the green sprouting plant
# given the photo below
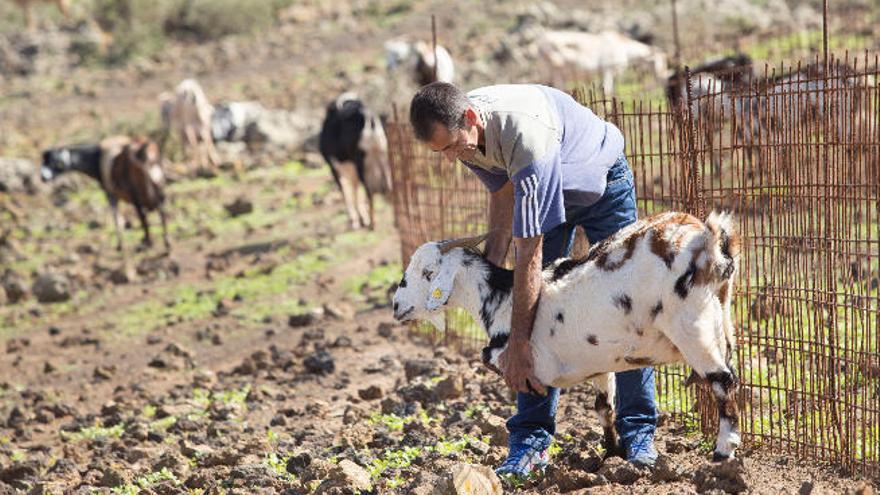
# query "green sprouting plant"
(393, 459)
(164, 423)
(402, 458)
(230, 397)
(391, 421)
(272, 437)
(149, 411)
(94, 432)
(278, 465)
(202, 397)
(17, 456)
(475, 409)
(145, 481)
(127, 489)
(448, 447)
(157, 476)
(394, 482)
(517, 482)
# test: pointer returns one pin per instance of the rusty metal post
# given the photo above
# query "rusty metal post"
(825, 34)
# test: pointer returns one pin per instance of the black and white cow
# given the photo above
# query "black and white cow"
(354, 144)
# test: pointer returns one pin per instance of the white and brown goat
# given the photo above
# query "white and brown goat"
(127, 169)
(656, 292)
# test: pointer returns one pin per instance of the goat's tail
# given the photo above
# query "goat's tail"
(724, 250)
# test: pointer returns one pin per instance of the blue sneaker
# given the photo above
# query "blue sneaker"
(525, 459)
(642, 452)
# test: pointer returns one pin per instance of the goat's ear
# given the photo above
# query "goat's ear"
(441, 284)
(148, 152)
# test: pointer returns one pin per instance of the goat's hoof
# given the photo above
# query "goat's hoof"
(719, 457)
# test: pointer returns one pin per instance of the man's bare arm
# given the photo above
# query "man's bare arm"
(517, 363)
(500, 224)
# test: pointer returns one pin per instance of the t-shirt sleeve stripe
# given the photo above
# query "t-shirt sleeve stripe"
(536, 225)
(538, 205)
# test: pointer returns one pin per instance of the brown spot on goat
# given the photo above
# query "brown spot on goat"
(629, 247)
(663, 248)
(723, 292)
(592, 339)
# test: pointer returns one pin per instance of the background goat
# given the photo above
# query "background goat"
(607, 53)
(656, 292)
(126, 169)
(188, 113)
(354, 145)
(26, 7)
(418, 59)
(719, 87)
(230, 120)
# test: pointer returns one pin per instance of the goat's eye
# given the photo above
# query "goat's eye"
(427, 274)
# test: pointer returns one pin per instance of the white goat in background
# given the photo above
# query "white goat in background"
(188, 112)
(418, 59)
(656, 292)
(607, 53)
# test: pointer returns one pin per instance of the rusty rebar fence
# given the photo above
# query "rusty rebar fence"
(795, 153)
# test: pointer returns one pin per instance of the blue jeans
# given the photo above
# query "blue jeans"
(535, 418)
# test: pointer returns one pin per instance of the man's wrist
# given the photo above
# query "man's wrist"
(518, 341)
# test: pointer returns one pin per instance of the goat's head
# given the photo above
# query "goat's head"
(428, 280)
(56, 161)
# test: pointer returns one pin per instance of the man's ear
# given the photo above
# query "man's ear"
(470, 116)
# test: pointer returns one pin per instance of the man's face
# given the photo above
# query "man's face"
(459, 143)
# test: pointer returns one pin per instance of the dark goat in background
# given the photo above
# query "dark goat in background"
(354, 144)
(127, 169)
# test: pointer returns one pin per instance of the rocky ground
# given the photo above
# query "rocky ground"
(260, 357)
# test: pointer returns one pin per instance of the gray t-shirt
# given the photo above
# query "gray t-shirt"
(556, 151)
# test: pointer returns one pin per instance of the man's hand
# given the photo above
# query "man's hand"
(518, 368)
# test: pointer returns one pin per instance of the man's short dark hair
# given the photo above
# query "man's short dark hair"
(438, 102)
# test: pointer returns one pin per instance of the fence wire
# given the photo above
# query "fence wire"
(795, 154)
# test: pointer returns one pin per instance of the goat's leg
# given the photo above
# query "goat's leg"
(146, 242)
(608, 81)
(208, 143)
(605, 389)
(348, 185)
(362, 199)
(29, 18)
(161, 211)
(702, 343)
(117, 219)
(191, 142)
(371, 210)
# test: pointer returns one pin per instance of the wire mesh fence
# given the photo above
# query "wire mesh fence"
(795, 154)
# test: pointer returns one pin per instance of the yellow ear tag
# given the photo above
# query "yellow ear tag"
(437, 294)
